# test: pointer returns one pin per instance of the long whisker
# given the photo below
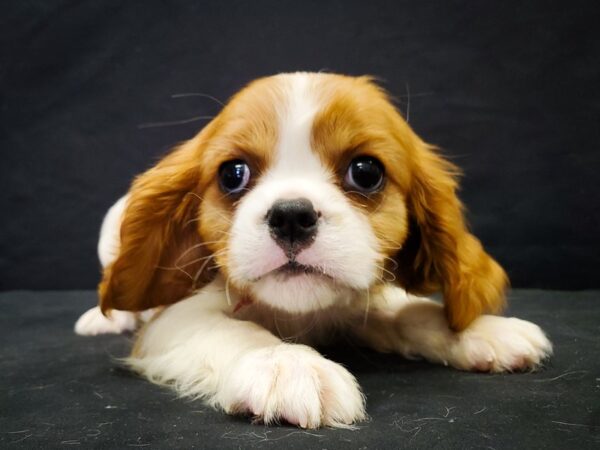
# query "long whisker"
(276, 323)
(393, 261)
(200, 271)
(196, 219)
(182, 271)
(359, 193)
(198, 94)
(227, 219)
(227, 295)
(392, 241)
(407, 103)
(194, 247)
(195, 195)
(193, 261)
(294, 337)
(389, 247)
(142, 126)
(376, 210)
(383, 269)
(367, 306)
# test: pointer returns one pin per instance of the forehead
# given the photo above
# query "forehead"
(304, 120)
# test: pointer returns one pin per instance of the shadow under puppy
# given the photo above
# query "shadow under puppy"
(307, 208)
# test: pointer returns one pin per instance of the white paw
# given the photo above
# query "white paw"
(93, 322)
(499, 344)
(293, 383)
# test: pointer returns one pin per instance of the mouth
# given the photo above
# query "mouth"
(294, 269)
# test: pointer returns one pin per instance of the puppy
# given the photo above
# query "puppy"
(306, 209)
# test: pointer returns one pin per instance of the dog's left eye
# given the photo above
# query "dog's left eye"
(364, 174)
(234, 176)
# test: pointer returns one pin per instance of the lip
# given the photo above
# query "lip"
(294, 269)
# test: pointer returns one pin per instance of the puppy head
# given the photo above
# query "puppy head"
(304, 190)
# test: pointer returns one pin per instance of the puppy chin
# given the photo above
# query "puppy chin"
(298, 293)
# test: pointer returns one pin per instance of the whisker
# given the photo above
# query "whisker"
(378, 208)
(178, 269)
(222, 216)
(359, 193)
(199, 272)
(391, 241)
(198, 94)
(189, 263)
(197, 219)
(227, 291)
(407, 103)
(294, 337)
(226, 219)
(194, 247)
(418, 94)
(393, 261)
(366, 316)
(173, 122)
(276, 323)
(389, 247)
(383, 269)
(195, 195)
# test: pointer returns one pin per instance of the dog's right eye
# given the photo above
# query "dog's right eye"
(234, 176)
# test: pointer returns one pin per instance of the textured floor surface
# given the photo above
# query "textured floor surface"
(59, 390)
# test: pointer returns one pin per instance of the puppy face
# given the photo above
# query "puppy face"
(303, 231)
(306, 189)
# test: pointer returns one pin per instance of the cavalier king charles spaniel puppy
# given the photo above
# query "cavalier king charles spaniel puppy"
(306, 210)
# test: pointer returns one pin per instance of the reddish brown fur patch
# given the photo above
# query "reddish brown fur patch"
(177, 218)
(356, 121)
(155, 226)
(437, 251)
(448, 255)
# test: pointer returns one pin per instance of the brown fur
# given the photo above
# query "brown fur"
(176, 217)
(447, 255)
(418, 217)
(157, 225)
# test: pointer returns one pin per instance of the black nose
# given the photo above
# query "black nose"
(293, 223)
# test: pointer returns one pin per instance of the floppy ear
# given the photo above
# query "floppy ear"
(440, 252)
(161, 258)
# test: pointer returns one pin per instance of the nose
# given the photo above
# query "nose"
(293, 223)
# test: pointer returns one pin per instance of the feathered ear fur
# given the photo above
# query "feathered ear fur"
(440, 252)
(161, 259)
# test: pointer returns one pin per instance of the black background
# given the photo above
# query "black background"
(509, 90)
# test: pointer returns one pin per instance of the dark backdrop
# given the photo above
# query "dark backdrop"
(508, 89)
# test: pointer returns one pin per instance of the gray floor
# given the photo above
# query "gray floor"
(61, 390)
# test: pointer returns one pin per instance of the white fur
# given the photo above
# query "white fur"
(239, 366)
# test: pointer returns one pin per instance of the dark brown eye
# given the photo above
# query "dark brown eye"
(234, 176)
(365, 174)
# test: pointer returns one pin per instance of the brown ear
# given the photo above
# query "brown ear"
(160, 256)
(440, 252)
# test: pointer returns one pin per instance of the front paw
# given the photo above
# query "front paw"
(93, 322)
(500, 344)
(293, 383)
